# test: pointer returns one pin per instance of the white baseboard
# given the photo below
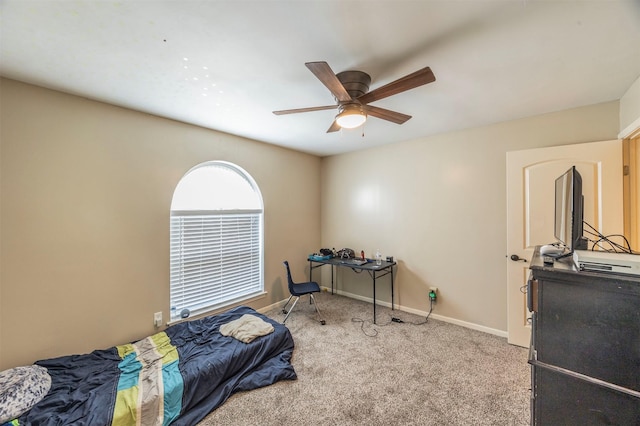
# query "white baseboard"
(473, 326)
(272, 306)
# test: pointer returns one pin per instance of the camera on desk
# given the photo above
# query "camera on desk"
(389, 258)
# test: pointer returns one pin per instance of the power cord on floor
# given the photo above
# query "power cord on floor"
(393, 319)
(398, 320)
(362, 323)
(375, 332)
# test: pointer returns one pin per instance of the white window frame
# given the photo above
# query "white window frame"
(216, 255)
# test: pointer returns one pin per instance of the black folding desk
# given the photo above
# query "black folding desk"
(374, 271)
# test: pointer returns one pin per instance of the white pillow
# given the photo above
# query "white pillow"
(20, 389)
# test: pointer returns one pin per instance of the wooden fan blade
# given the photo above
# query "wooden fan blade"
(334, 127)
(325, 74)
(295, 111)
(385, 114)
(408, 82)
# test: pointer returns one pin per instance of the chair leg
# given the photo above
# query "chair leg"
(292, 306)
(322, 321)
(284, 308)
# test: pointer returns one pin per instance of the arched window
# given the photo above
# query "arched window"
(216, 239)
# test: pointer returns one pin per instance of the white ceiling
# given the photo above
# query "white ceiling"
(226, 65)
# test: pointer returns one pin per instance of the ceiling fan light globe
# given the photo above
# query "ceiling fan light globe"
(351, 116)
(351, 121)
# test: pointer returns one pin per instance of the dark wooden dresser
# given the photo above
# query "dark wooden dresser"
(585, 345)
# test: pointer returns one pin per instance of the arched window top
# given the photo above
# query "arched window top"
(216, 185)
(216, 234)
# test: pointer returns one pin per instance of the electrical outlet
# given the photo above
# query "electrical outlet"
(433, 293)
(157, 319)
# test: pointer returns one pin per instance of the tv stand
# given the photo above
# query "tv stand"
(585, 345)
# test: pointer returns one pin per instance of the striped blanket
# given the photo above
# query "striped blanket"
(173, 377)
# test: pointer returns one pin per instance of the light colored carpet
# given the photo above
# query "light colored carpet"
(430, 374)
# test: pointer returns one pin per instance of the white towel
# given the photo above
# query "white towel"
(246, 328)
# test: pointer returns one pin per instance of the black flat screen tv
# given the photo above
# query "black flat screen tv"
(569, 211)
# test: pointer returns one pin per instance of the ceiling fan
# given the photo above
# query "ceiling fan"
(350, 89)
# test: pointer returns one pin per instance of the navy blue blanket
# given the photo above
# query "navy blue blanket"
(175, 377)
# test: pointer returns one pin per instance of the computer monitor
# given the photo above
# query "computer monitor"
(569, 211)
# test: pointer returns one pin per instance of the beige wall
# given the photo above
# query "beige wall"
(630, 110)
(86, 189)
(86, 192)
(438, 205)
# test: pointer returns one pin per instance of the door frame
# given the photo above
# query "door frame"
(631, 189)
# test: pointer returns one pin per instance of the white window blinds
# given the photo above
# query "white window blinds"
(216, 255)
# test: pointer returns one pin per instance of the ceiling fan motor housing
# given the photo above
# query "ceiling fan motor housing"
(356, 83)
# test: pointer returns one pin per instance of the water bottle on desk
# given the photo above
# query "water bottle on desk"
(378, 257)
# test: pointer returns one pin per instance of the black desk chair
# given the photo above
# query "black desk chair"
(300, 289)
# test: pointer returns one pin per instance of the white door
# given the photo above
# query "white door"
(531, 178)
